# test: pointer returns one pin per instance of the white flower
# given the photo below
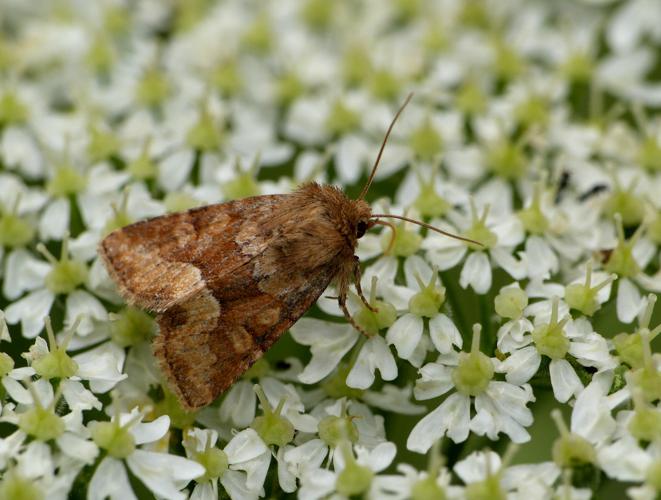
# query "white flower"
(164, 474)
(319, 483)
(500, 233)
(499, 406)
(246, 456)
(556, 338)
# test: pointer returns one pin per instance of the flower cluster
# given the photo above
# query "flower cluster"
(532, 131)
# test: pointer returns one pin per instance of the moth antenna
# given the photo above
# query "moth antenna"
(394, 233)
(383, 145)
(428, 226)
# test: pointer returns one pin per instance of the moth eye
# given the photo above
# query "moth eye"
(361, 227)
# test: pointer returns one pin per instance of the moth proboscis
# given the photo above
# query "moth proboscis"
(226, 280)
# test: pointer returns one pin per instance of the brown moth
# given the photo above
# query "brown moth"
(228, 279)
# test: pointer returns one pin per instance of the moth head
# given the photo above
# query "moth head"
(363, 220)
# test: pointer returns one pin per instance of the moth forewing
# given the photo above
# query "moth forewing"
(228, 279)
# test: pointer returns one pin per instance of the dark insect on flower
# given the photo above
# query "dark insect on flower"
(227, 280)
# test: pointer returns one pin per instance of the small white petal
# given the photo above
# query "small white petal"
(245, 446)
(165, 475)
(110, 481)
(374, 355)
(444, 333)
(564, 380)
(238, 406)
(451, 415)
(405, 334)
(329, 343)
(476, 273)
(151, 431)
(83, 305)
(521, 365)
(54, 222)
(31, 311)
(629, 302)
(77, 447)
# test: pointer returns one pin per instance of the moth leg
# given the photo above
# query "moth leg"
(359, 288)
(342, 302)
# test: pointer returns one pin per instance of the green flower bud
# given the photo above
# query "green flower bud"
(16, 487)
(428, 301)
(41, 423)
(549, 338)
(385, 85)
(143, 167)
(66, 181)
(12, 110)
(117, 440)
(629, 205)
(622, 261)
(507, 160)
(632, 347)
(405, 244)
(131, 326)
(6, 364)
(470, 99)
(578, 67)
(427, 489)
(474, 370)
(100, 55)
(102, 145)
(570, 450)
(271, 427)
(289, 87)
(479, 230)
(205, 134)
(649, 155)
(429, 203)
(645, 425)
(243, 186)
(425, 141)
(371, 321)
(259, 37)
(534, 111)
(120, 216)
(177, 201)
(153, 88)
(332, 430)
(14, 231)
(317, 14)
(336, 386)
(510, 302)
(215, 463)
(56, 363)
(341, 119)
(261, 368)
(66, 274)
(227, 79)
(583, 296)
(532, 217)
(489, 489)
(169, 405)
(354, 479)
(508, 63)
(357, 66)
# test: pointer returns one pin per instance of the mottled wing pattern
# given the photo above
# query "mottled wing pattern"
(207, 342)
(160, 262)
(228, 280)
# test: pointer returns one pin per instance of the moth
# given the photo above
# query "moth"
(226, 280)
